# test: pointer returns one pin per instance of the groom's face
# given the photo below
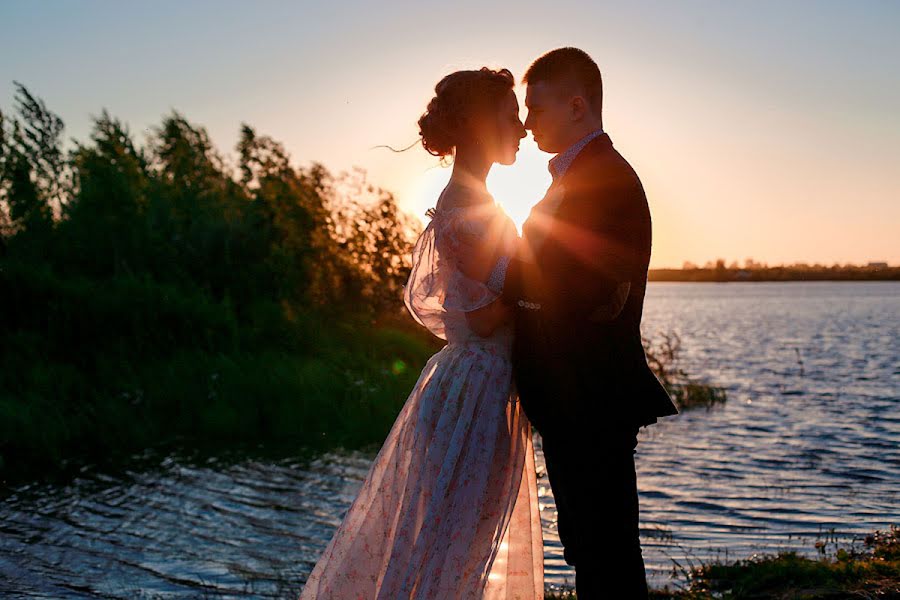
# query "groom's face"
(549, 115)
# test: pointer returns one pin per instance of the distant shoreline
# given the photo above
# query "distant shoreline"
(775, 274)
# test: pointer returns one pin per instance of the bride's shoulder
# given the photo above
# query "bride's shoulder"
(463, 207)
(460, 197)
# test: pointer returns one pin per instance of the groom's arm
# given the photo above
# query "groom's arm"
(590, 260)
(594, 251)
(507, 279)
(594, 267)
(518, 280)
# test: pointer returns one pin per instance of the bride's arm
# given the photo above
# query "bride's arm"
(476, 260)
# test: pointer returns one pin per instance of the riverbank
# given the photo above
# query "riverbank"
(106, 368)
(870, 571)
(343, 396)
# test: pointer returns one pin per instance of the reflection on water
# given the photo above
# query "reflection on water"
(808, 442)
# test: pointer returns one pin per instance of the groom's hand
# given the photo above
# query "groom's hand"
(612, 309)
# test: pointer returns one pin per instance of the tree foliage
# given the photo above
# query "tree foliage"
(174, 211)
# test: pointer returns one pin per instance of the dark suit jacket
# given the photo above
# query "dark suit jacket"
(573, 372)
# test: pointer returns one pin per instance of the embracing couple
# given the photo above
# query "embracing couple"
(542, 331)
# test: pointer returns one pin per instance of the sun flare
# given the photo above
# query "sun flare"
(520, 186)
(516, 188)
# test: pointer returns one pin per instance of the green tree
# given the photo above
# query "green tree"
(34, 179)
(111, 195)
(374, 235)
(196, 210)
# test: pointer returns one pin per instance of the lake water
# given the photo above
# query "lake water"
(806, 449)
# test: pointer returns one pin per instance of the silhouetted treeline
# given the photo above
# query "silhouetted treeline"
(175, 211)
(148, 281)
(796, 272)
(173, 218)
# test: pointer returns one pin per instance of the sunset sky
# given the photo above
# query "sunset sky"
(760, 129)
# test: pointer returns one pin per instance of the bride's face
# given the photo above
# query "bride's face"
(502, 130)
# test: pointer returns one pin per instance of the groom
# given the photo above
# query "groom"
(577, 287)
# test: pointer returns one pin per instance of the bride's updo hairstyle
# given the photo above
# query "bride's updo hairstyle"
(458, 97)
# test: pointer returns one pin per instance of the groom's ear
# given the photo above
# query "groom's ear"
(578, 108)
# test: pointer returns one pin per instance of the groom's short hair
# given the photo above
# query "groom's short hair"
(569, 66)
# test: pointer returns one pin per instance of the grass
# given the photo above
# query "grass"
(696, 394)
(95, 369)
(869, 572)
(664, 357)
(346, 392)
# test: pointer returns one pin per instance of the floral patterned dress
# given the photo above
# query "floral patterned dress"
(449, 508)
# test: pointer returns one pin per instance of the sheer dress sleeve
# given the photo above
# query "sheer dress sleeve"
(437, 293)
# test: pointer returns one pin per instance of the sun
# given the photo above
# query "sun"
(520, 186)
(516, 187)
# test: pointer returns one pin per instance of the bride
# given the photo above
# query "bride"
(449, 507)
